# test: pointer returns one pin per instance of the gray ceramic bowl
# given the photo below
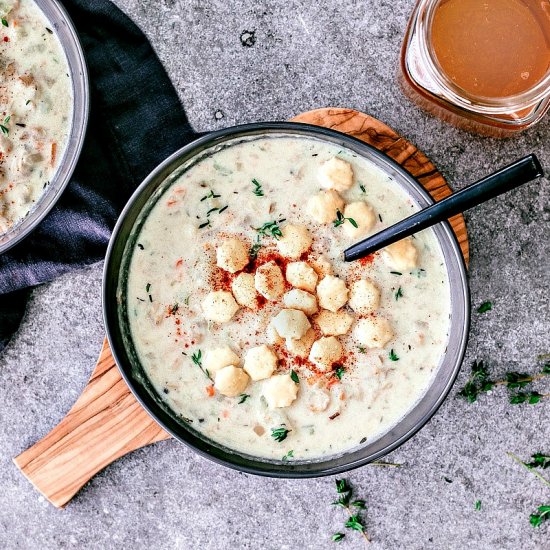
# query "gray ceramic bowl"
(114, 302)
(62, 26)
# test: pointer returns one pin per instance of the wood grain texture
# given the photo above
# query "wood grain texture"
(104, 424)
(377, 134)
(107, 422)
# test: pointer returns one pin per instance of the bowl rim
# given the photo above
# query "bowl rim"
(234, 459)
(80, 84)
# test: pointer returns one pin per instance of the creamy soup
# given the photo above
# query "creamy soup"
(35, 108)
(250, 325)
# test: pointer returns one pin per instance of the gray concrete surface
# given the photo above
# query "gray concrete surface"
(305, 55)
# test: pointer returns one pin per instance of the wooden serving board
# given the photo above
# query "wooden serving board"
(106, 422)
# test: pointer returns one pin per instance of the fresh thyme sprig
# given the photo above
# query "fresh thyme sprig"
(538, 460)
(340, 219)
(530, 465)
(219, 210)
(353, 507)
(279, 434)
(543, 514)
(270, 229)
(480, 382)
(258, 191)
(254, 249)
(197, 359)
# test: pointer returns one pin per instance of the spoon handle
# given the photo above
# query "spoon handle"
(522, 171)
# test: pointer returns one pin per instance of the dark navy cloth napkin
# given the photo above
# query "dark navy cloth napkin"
(136, 121)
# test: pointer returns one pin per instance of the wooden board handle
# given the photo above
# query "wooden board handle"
(104, 424)
(107, 422)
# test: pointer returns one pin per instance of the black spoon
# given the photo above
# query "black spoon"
(522, 171)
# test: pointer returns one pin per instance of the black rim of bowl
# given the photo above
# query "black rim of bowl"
(152, 402)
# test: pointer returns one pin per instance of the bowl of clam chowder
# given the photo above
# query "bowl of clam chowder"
(43, 111)
(237, 324)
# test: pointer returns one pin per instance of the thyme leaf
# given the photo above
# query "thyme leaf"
(528, 467)
(532, 398)
(393, 356)
(539, 460)
(211, 195)
(258, 191)
(339, 372)
(243, 397)
(484, 307)
(342, 486)
(340, 219)
(354, 522)
(270, 229)
(254, 249)
(279, 434)
(197, 358)
(543, 514)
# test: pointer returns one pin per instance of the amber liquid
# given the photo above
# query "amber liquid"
(493, 48)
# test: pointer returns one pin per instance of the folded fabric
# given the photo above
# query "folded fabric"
(136, 120)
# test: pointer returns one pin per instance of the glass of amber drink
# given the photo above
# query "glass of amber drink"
(483, 65)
